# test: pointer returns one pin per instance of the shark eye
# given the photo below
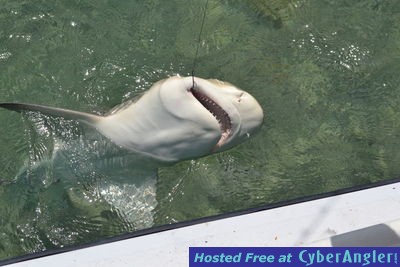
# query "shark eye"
(240, 97)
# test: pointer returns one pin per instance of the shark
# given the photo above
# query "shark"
(178, 118)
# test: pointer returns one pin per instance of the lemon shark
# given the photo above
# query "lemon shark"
(178, 118)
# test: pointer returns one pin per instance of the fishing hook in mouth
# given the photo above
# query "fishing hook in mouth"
(193, 84)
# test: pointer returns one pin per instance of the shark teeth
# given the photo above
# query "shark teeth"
(218, 112)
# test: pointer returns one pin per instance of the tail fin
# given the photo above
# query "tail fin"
(90, 119)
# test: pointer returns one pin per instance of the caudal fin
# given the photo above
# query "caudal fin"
(90, 119)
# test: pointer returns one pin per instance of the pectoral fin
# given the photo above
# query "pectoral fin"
(90, 119)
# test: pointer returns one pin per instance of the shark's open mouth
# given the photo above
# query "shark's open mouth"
(218, 112)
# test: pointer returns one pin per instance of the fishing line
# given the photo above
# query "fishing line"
(198, 42)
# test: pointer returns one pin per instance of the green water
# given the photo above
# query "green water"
(326, 73)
